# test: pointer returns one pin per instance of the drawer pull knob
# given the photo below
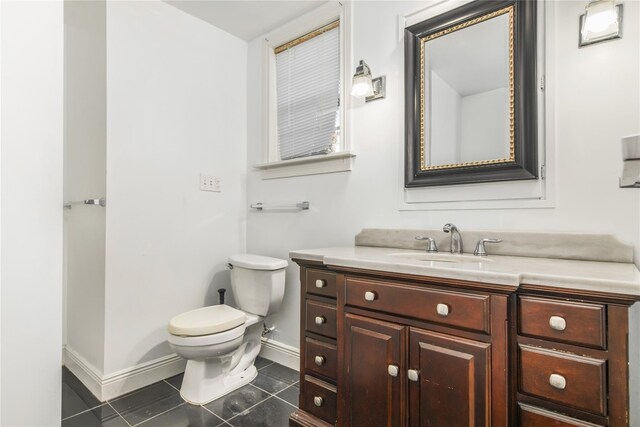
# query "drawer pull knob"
(557, 323)
(320, 360)
(370, 296)
(413, 374)
(557, 381)
(320, 283)
(442, 309)
(393, 370)
(320, 320)
(318, 401)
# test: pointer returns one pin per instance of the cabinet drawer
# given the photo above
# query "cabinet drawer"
(321, 318)
(319, 399)
(320, 282)
(320, 358)
(563, 321)
(576, 381)
(530, 416)
(469, 311)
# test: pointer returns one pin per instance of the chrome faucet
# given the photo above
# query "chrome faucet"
(431, 243)
(456, 240)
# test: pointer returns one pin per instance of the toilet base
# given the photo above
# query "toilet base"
(199, 390)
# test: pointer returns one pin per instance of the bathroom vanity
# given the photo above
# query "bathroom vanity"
(398, 337)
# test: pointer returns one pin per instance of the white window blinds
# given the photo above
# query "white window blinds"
(308, 93)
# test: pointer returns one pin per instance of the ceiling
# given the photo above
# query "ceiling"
(246, 19)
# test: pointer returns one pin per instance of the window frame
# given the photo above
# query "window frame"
(273, 166)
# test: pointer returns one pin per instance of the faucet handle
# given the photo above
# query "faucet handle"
(431, 244)
(480, 249)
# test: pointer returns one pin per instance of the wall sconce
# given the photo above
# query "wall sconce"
(630, 162)
(602, 21)
(363, 86)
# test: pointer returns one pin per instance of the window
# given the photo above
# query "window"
(306, 128)
(308, 93)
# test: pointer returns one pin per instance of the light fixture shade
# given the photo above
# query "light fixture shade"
(601, 21)
(361, 86)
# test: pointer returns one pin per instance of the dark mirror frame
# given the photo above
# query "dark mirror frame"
(525, 164)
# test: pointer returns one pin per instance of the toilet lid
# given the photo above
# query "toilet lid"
(257, 262)
(206, 321)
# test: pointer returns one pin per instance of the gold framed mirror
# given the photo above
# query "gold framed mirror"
(471, 96)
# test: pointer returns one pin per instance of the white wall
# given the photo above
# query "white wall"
(596, 91)
(31, 216)
(85, 177)
(176, 107)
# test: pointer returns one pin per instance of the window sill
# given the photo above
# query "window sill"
(313, 165)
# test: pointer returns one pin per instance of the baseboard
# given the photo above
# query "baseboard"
(106, 387)
(88, 374)
(281, 353)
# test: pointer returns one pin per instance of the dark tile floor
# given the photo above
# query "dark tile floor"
(266, 402)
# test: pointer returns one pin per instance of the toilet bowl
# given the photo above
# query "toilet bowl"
(220, 342)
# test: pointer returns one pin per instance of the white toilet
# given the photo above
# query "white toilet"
(220, 342)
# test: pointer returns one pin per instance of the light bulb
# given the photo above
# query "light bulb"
(601, 20)
(361, 86)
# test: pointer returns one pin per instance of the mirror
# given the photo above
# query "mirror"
(471, 95)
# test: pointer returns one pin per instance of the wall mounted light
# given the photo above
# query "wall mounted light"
(363, 86)
(602, 21)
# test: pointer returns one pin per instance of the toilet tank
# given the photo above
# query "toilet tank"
(257, 283)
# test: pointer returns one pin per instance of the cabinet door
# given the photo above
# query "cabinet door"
(452, 387)
(373, 397)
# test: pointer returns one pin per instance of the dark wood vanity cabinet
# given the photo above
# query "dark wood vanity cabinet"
(318, 347)
(393, 350)
(571, 354)
(398, 351)
(420, 354)
(372, 395)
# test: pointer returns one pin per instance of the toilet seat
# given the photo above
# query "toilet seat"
(210, 339)
(206, 321)
(216, 338)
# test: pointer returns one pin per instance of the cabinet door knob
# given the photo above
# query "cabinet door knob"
(557, 323)
(318, 401)
(370, 296)
(557, 381)
(320, 320)
(413, 374)
(320, 283)
(320, 360)
(393, 370)
(442, 309)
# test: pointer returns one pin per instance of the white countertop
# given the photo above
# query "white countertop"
(593, 276)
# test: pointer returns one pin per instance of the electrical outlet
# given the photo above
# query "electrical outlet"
(210, 183)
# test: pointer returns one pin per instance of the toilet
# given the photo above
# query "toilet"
(220, 342)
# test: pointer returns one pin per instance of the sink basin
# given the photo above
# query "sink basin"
(453, 258)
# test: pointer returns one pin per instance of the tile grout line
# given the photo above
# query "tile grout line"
(266, 366)
(261, 389)
(82, 412)
(119, 414)
(251, 407)
(273, 394)
(286, 388)
(288, 403)
(175, 388)
(161, 413)
(215, 415)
